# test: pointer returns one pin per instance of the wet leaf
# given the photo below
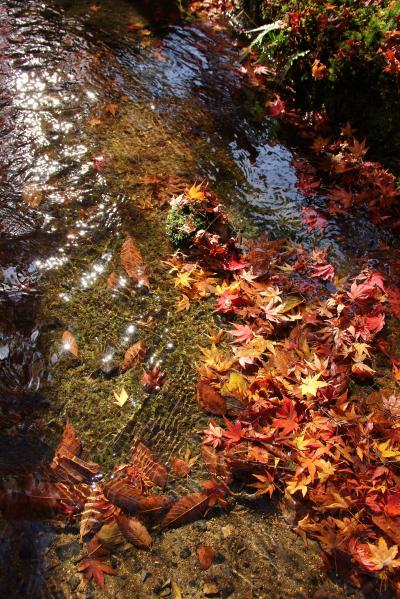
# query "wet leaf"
(187, 509)
(69, 343)
(123, 493)
(93, 569)
(150, 470)
(121, 396)
(131, 262)
(112, 281)
(133, 355)
(134, 531)
(153, 379)
(206, 555)
(209, 399)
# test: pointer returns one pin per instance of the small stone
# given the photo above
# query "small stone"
(210, 589)
(227, 531)
(200, 525)
(73, 582)
(144, 575)
(68, 550)
(219, 558)
(185, 553)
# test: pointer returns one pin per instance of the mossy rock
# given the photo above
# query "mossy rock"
(182, 224)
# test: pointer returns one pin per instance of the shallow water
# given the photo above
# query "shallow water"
(89, 107)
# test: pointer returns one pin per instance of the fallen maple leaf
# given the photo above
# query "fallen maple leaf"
(69, 343)
(311, 384)
(153, 379)
(206, 555)
(382, 556)
(132, 356)
(242, 333)
(93, 569)
(121, 397)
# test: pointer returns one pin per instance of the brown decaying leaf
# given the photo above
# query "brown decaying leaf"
(209, 399)
(187, 509)
(180, 467)
(69, 343)
(112, 280)
(151, 471)
(132, 263)
(216, 464)
(152, 508)
(206, 554)
(123, 494)
(134, 531)
(132, 356)
(70, 444)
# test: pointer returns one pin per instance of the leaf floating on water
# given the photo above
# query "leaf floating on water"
(93, 569)
(121, 397)
(186, 510)
(206, 555)
(134, 531)
(132, 356)
(69, 343)
(131, 262)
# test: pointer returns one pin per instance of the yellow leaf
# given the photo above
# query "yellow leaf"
(298, 485)
(183, 280)
(175, 590)
(236, 385)
(194, 192)
(301, 443)
(383, 556)
(121, 397)
(216, 359)
(311, 384)
(183, 304)
(325, 469)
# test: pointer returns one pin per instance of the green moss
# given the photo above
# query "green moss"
(182, 224)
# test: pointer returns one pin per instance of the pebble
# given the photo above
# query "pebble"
(227, 531)
(68, 550)
(200, 525)
(210, 589)
(144, 575)
(185, 553)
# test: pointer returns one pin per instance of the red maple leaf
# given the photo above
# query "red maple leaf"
(242, 333)
(277, 107)
(287, 418)
(153, 379)
(235, 431)
(227, 302)
(324, 272)
(313, 219)
(94, 569)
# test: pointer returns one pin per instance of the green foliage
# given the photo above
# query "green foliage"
(182, 224)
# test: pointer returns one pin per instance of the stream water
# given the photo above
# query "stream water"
(97, 102)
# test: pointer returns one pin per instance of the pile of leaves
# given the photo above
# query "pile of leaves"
(291, 380)
(115, 512)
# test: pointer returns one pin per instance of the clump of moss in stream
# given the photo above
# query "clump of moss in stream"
(183, 222)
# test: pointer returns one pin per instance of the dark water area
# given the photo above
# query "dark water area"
(168, 98)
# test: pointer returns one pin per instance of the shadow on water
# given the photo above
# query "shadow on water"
(62, 206)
